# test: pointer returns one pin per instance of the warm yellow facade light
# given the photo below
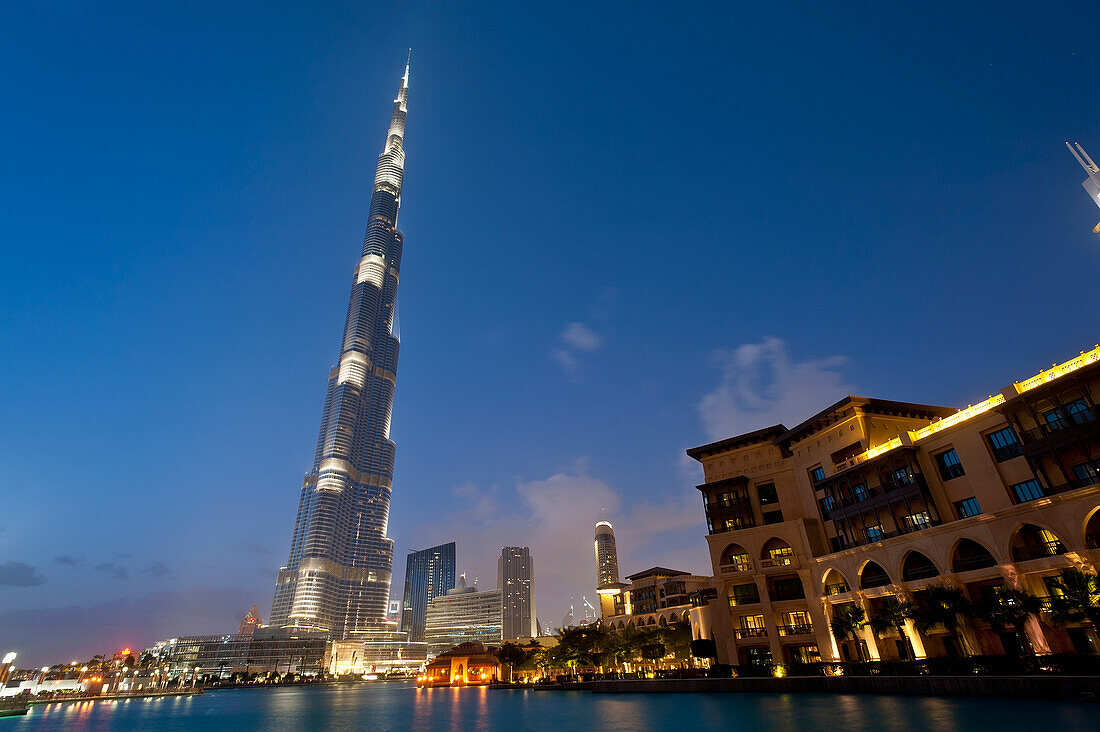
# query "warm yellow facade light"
(1043, 377)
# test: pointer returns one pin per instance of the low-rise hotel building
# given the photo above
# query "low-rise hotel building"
(463, 615)
(656, 596)
(871, 499)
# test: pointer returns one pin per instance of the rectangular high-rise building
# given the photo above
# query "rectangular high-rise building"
(515, 580)
(429, 573)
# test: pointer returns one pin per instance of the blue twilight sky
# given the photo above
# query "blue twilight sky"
(629, 229)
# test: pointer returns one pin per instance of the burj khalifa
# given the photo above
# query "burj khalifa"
(337, 578)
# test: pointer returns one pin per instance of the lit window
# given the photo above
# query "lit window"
(875, 533)
(817, 474)
(918, 521)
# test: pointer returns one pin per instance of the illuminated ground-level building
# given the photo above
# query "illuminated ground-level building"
(871, 499)
(467, 664)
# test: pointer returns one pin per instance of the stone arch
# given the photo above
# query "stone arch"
(662, 620)
(1032, 541)
(916, 566)
(736, 555)
(873, 575)
(777, 553)
(833, 582)
(650, 621)
(969, 554)
(686, 615)
(1092, 529)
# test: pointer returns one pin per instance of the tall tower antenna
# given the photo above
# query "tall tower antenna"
(1092, 183)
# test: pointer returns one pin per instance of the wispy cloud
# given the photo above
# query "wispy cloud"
(762, 385)
(158, 569)
(580, 338)
(115, 571)
(555, 516)
(68, 560)
(18, 574)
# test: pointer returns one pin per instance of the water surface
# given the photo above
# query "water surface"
(401, 706)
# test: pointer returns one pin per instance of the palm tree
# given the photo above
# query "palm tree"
(892, 615)
(510, 655)
(943, 605)
(846, 622)
(1080, 598)
(1007, 607)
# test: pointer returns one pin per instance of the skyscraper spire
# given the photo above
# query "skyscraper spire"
(337, 578)
(1092, 182)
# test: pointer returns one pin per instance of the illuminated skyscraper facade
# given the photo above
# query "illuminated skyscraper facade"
(607, 557)
(515, 580)
(337, 578)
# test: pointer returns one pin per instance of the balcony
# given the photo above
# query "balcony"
(802, 629)
(1080, 425)
(784, 561)
(735, 567)
(837, 588)
(1038, 551)
(743, 633)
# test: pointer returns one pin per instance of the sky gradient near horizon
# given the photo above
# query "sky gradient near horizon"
(627, 232)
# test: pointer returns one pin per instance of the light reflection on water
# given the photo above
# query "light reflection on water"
(401, 706)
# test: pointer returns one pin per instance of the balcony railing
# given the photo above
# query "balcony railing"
(782, 561)
(803, 629)
(837, 588)
(735, 567)
(919, 573)
(1046, 604)
(1007, 452)
(967, 564)
(747, 600)
(1038, 551)
(1060, 424)
(742, 633)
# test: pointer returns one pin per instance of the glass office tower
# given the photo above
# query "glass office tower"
(337, 579)
(429, 573)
